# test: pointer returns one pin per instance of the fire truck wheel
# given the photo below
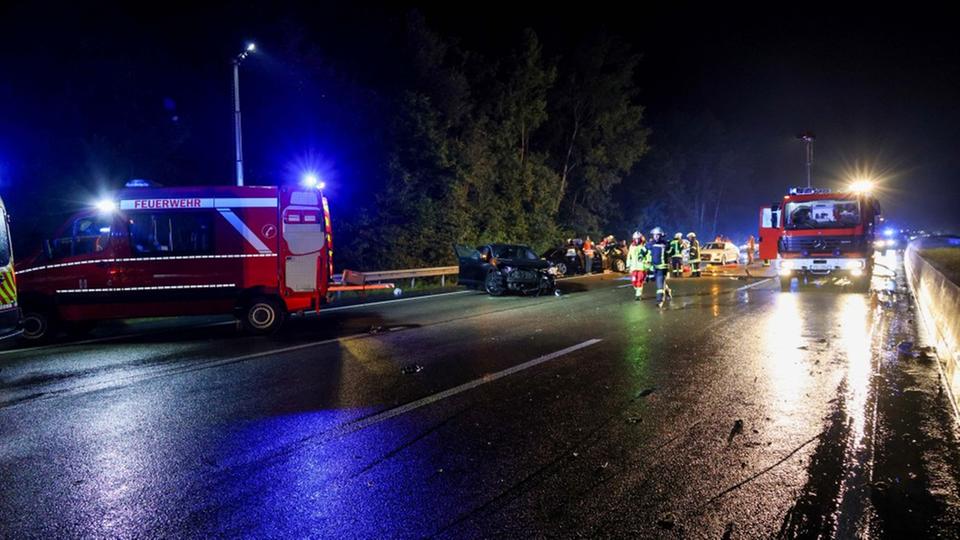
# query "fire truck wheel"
(263, 315)
(39, 326)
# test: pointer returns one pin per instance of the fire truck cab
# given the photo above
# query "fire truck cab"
(9, 307)
(257, 252)
(822, 233)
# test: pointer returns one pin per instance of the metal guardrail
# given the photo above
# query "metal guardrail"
(350, 277)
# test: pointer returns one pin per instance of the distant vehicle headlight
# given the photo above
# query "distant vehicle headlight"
(891, 242)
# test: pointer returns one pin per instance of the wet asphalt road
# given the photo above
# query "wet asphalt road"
(736, 412)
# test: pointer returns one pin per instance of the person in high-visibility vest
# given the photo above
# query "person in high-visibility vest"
(675, 252)
(658, 260)
(694, 254)
(638, 262)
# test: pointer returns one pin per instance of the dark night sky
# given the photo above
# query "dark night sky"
(880, 89)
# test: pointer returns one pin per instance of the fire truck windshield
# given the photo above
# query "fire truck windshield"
(822, 214)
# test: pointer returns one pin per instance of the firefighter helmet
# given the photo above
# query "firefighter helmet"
(637, 235)
(691, 235)
(678, 236)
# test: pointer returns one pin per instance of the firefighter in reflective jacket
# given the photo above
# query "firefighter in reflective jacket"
(638, 262)
(675, 252)
(694, 254)
(658, 260)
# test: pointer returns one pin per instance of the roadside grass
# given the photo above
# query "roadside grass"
(946, 260)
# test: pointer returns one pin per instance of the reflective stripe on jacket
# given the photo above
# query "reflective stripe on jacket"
(638, 258)
(675, 249)
(658, 255)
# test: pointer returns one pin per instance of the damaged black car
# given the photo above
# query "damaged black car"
(502, 268)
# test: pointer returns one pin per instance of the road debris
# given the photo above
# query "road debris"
(410, 369)
(737, 429)
(667, 521)
(645, 392)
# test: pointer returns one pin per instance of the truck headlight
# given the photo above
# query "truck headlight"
(786, 265)
(854, 265)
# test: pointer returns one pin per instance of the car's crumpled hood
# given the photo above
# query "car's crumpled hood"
(526, 264)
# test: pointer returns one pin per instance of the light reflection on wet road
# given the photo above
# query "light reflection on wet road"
(721, 411)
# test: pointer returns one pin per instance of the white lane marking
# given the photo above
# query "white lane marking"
(291, 348)
(374, 304)
(625, 286)
(752, 285)
(423, 402)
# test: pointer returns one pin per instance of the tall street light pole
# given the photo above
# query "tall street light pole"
(236, 108)
(808, 137)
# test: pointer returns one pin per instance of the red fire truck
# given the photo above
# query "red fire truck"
(820, 233)
(258, 252)
(9, 308)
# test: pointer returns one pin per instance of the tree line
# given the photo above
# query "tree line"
(436, 143)
(524, 148)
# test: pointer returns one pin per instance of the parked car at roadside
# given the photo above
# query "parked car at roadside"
(721, 253)
(502, 268)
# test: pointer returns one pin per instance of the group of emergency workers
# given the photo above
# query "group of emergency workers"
(661, 258)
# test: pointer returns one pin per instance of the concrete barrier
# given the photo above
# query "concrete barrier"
(938, 301)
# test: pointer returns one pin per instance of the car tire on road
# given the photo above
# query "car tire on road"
(493, 284)
(561, 269)
(39, 326)
(263, 315)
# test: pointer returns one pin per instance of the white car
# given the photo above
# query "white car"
(721, 253)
